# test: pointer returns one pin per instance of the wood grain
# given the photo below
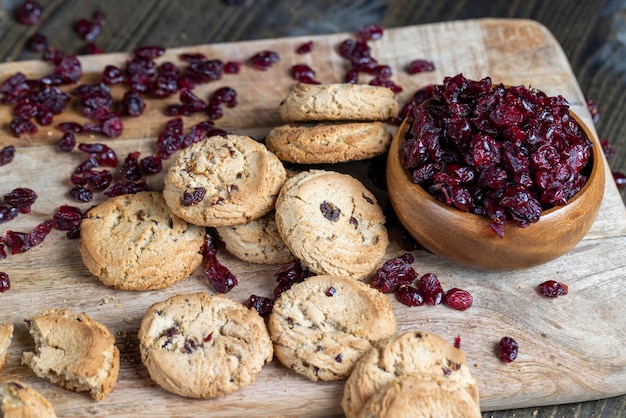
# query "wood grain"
(571, 348)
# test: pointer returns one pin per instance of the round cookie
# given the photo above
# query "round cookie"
(73, 351)
(134, 242)
(257, 241)
(18, 400)
(201, 346)
(6, 334)
(328, 142)
(331, 223)
(234, 178)
(340, 101)
(410, 352)
(320, 327)
(421, 396)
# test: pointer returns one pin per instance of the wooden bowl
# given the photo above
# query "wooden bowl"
(468, 240)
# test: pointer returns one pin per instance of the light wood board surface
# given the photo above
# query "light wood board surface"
(571, 348)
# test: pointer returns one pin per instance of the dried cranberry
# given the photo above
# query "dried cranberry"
(88, 29)
(593, 110)
(303, 73)
(552, 288)
(393, 273)
(81, 193)
(261, 304)
(458, 299)
(67, 141)
(219, 276)
(231, 67)
(139, 73)
(92, 49)
(129, 169)
(151, 164)
(8, 213)
(28, 13)
(126, 187)
(21, 198)
(371, 32)
(5, 282)
(149, 52)
(112, 75)
(111, 125)
(383, 82)
(191, 102)
(430, 288)
(37, 43)
(304, 48)
(194, 196)
(132, 103)
(69, 69)
(19, 242)
(95, 100)
(90, 162)
(206, 71)
(506, 349)
(13, 87)
(7, 154)
(457, 342)
(409, 295)
(226, 95)
(608, 150)
(188, 57)
(70, 127)
(352, 76)
(103, 154)
(264, 60)
(98, 179)
(288, 275)
(20, 126)
(420, 66)
(67, 217)
(620, 179)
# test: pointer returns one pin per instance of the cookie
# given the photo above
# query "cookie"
(223, 181)
(331, 223)
(322, 102)
(328, 142)
(18, 400)
(6, 334)
(134, 242)
(73, 351)
(410, 352)
(201, 346)
(421, 396)
(322, 326)
(257, 241)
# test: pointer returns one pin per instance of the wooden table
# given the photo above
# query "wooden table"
(589, 33)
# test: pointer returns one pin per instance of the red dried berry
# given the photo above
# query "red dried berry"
(458, 299)
(457, 342)
(430, 288)
(620, 179)
(103, 154)
(607, 148)
(264, 60)
(304, 48)
(37, 43)
(206, 71)
(19, 242)
(67, 217)
(371, 32)
(20, 126)
(149, 52)
(151, 164)
(552, 288)
(67, 141)
(288, 275)
(132, 103)
(80, 193)
(303, 73)
(231, 67)
(28, 13)
(7, 154)
(21, 198)
(112, 75)
(219, 276)
(420, 66)
(506, 349)
(593, 110)
(5, 282)
(409, 295)
(261, 304)
(129, 169)
(126, 187)
(393, 273)
(92, 49)
(193, 196)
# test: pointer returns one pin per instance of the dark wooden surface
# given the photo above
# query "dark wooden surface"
(592, 34)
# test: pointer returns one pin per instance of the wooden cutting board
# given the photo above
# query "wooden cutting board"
(571, 348)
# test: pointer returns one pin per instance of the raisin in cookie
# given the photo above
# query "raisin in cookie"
(223, 181)
(6, 334)
(328, 142)
(341, 101)
(73, 351)
(322, 326)
(332, 223)
(421, 395)
(201, 346)
(257, 241)
(134, 242)
(410, 352)
(18, 400)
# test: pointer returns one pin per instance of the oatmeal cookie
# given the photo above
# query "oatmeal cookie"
(6, 334)
(134, 242)
(73, 351)
(331, 223)
(223, 181)
(202, 346)
(18, 400)
(340, 101)
(322, 326)
(328, 142)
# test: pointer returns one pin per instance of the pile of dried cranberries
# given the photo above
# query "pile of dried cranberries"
(504, 152)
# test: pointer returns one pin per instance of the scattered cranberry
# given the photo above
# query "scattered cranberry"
(420, 66)
(231, 67)
(288, 275)
(222, 280)
(21, 198)
(506, 349)
(458, 299)
(112, 75)
(304, 48)
(80, 193)
(5, 282)
(607, 148)
(393, 273)
(371, 32)
(149, 52)
(409, 295)
(261, 304)
(20, 126)
(264, 60)
(593, 110)
(98, 180)
(151, 164)
(7, 154)
(8, 213)
(103, 154)
(552, 289)
(303, 74)
(206, 71)
(130, 170)
(37, 43)
(620, 179)
(67, 217)
(132, 103)
(384, 82)
(126, 187)
(67, 141)
(352, 76)
(68, 69)
(457, 342)
(430, 288)
(19, 242)
(92, 49)
(13, 88)
(28, 13)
